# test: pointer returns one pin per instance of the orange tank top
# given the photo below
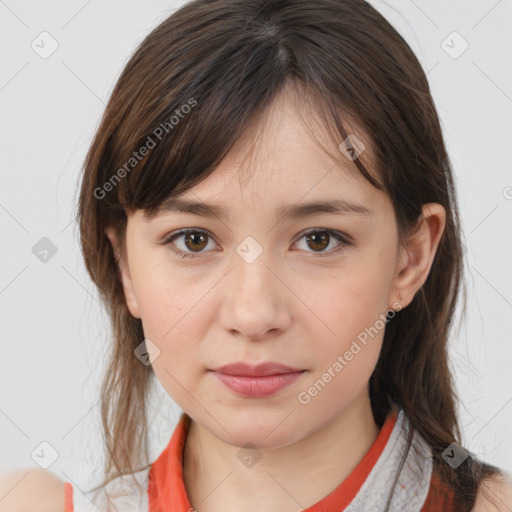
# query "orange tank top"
(166, 490)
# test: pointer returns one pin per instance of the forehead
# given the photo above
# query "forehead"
(286, 146)
(299, 191)
(278, 162)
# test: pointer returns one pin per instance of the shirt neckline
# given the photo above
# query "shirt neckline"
(166, 485)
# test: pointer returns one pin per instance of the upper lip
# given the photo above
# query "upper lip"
(259, 370)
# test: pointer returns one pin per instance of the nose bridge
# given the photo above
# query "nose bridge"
(253, 303)
(251, 273)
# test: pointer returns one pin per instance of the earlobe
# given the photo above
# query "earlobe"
(415, 260)
(124, 271)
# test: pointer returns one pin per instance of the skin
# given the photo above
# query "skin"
(290, 305)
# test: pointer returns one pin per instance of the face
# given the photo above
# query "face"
(309, 292)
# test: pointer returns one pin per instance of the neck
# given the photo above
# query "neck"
(284, 479)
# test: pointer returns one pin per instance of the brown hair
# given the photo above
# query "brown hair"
(188, 93)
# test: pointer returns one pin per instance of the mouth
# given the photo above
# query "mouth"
(243, 369)
(256, 385)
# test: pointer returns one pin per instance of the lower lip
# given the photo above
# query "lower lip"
(256, 387)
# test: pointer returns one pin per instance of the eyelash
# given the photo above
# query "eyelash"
(173, 236)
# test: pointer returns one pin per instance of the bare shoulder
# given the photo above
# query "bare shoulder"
(495, 495)
(31, 490)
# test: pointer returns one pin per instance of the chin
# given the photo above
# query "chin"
(259, 430)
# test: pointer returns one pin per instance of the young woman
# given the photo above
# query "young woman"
(269, 213)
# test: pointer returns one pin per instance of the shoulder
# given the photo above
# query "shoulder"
(31, 490)
(495, 494)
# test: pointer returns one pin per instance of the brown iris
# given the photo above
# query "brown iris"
(318, 239)
(199, 240)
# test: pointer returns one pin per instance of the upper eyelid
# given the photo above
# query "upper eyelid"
(184, 231)
(344, 238)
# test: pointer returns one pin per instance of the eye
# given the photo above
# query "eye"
(319, 239)
(195, 240)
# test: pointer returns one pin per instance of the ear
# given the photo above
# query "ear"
(126, 279)
(416, 259)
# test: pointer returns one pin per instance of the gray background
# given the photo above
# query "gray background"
(53, 330)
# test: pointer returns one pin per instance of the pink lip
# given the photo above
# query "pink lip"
(260, 370)
(257, 381)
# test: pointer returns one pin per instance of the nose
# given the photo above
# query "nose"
(255, 300)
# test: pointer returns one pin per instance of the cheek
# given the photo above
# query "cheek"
(345, 357)
(175, 328)
(352, 308)
(164, 298)
(355, 299)
(172, 318)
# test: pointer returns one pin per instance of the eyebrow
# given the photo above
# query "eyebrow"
(294, 211)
